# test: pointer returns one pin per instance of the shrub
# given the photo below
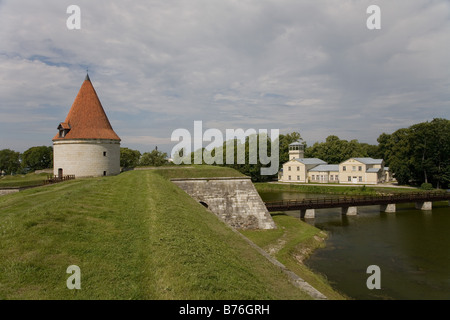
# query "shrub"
(426, 186)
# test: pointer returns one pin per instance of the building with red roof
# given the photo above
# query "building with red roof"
(86, 144)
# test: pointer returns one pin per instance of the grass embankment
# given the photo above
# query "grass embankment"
(291, 243)
(18, 181)
(198, 171)
(134, 236)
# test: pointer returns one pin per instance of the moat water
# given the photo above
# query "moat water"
(411, 247)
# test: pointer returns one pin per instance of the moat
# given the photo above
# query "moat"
(411, 247)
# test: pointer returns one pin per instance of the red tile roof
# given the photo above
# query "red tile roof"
(86, 118)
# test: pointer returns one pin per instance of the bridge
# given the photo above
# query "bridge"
(423, 201)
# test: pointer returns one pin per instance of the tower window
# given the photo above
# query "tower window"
(104, 173)
(104, 153)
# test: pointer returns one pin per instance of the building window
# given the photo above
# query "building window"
(298, 168)
(289, 168)
(359, 168)
(331, 177)
(298, 178)
(344, 168)
(353, 168)
(104, 153)
(289, 177)
(313, 177)
(360, 179)
(349, 179)
(336, 177)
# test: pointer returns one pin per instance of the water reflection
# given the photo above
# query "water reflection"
(411, 247)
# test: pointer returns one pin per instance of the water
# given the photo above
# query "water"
(411, 247)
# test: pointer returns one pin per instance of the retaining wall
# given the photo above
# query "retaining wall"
(234, 200)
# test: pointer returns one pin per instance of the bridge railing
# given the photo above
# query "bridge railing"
(359, 200)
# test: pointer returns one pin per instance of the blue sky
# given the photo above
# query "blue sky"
(307, 66)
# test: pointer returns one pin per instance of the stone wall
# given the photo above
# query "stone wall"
(8, 191)
(85, 158)
(234, 200)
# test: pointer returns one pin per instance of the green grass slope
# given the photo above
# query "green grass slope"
(134, 236)
(30, 179)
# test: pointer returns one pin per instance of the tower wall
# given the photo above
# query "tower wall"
(86, 158)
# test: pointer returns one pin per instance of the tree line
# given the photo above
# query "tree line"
(415, 155)
(38, 158)
(35, 158)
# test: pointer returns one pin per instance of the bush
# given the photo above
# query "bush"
(426, 186)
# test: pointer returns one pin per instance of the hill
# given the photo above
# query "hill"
(134, 236)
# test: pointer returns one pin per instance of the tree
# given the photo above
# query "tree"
(250, 164)
(154, 158)
(129, 158)
(9, 161)
(395, 149)
(335, 150)
(38, 158)
(285, 141)
(419, 154)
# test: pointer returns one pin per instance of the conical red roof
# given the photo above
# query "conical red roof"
(87, 118)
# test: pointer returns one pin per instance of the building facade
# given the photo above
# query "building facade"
(86, 144)
(362, 171)
(314, 170)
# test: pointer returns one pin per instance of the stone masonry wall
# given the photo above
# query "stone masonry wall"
(84, 158)
(234, 200)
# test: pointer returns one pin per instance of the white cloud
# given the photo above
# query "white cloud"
(160, 65)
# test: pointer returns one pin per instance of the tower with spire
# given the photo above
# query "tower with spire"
(86, 144)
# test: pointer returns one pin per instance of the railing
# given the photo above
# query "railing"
(56, 179)
(318, 203)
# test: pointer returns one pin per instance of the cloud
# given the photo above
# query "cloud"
(286, 64)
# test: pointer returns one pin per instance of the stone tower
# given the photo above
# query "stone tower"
(86, 144)
(296, 151)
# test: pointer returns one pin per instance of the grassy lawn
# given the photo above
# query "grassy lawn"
(134, 236)
(30, 179)
(198, 171)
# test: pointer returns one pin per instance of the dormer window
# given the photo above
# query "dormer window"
(64, 129)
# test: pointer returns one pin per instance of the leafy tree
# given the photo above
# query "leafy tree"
(395, 149)
(285, 141)
(335, 150)
(251, 165)
(9, 161)
(154, 158)
(129, 158)
(419, 154)
(37, 158)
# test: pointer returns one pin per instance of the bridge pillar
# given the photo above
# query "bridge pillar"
(307, 213)
(424, 205)
(350, 211)
(388, 207)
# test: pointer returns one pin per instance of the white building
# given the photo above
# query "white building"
(86, 144)
(314, 170)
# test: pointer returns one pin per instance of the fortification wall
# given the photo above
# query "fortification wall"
(234, 200)
(86, 158)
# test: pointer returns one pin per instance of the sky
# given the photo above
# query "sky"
(313, 67)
